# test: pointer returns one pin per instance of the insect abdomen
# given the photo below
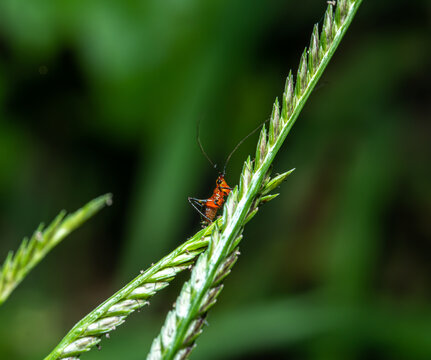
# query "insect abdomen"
(211, 212)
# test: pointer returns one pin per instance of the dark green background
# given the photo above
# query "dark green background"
(104, 96)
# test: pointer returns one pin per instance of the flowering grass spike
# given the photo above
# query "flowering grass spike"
(30, 252)
(184, 323)
(217, 244)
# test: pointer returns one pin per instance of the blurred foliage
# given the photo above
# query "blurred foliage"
(104, 96)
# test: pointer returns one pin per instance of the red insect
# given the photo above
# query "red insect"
(208, 208)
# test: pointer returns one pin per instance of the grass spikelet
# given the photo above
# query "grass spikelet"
(288, 98)
(261, 148)
(276, 181)
(314, 49)
(274, 123)
(328, 24)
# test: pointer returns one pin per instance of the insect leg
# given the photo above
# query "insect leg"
(193, 201)
(197, 201)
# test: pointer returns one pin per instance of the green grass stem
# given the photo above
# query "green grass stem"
(185, 322)
(217, 244)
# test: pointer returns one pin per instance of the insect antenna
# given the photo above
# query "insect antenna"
(239, 144)
(202, 148)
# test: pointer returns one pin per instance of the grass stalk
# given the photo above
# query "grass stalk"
(113, 312)
(185, 322)
(217, 244)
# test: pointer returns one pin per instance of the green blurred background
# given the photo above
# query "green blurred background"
(104, 96)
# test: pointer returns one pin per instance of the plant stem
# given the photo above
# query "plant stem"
(113, 311)
(184, 323)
